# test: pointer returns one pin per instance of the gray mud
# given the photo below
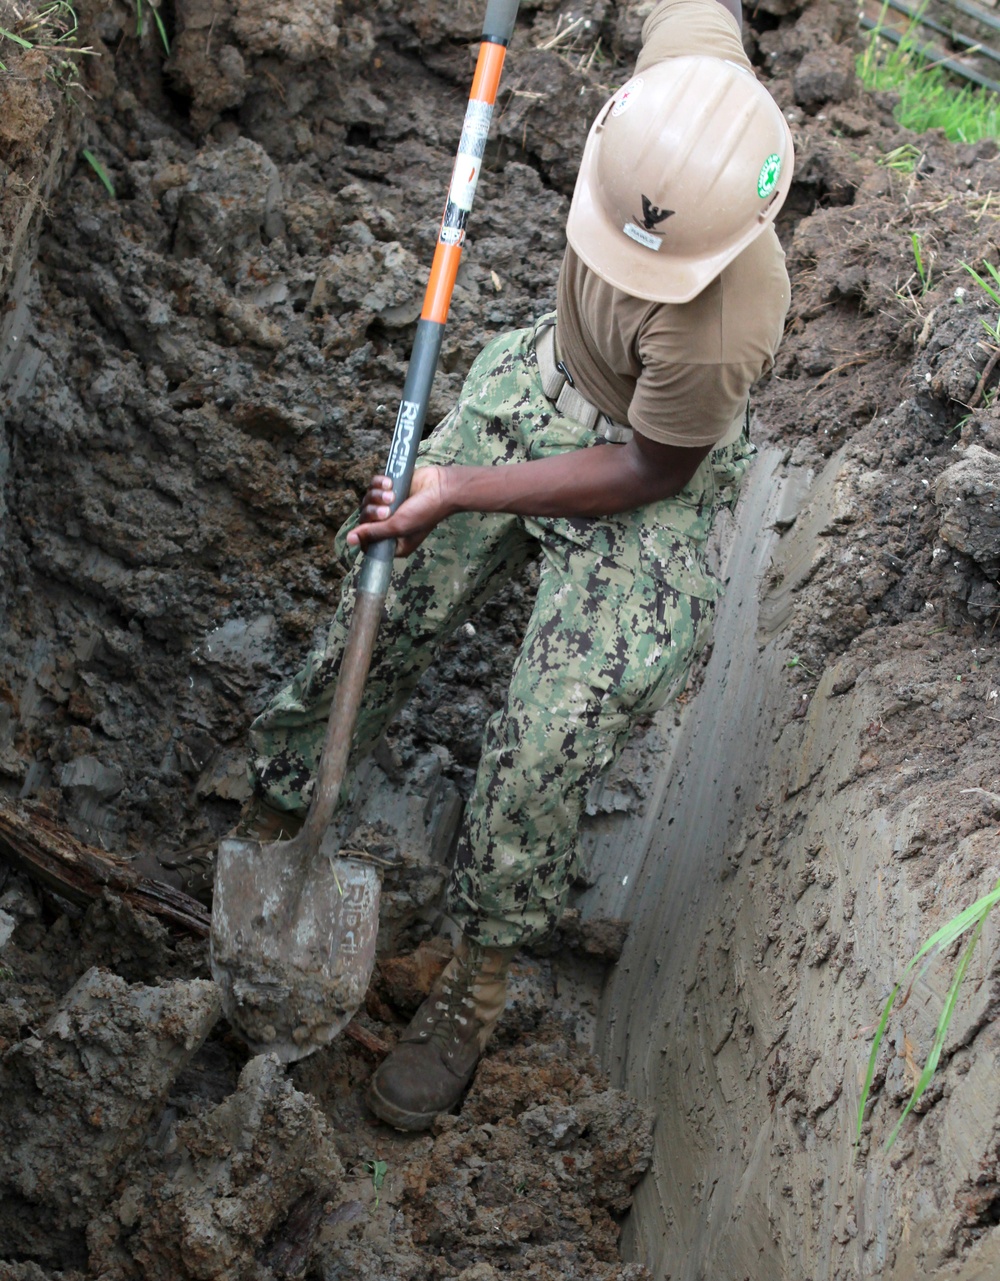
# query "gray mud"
(197, 378)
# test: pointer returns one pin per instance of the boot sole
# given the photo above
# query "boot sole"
(397, 1117)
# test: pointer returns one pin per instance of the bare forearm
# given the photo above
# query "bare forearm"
(598, 481)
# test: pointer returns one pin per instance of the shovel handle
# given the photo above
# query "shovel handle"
(343, 713)
(376, 568)
(498, 27)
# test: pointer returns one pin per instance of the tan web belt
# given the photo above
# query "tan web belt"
(558, 387)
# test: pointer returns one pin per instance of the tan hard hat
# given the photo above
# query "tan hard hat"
(684, 166)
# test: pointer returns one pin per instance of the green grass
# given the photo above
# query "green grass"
(378, 1171)
(972, 918)
(903, 159)
(928, 97)
(101, 172)
(992, 291)
(50, 27)
(139, 24)
(923, 268)
(18, 40)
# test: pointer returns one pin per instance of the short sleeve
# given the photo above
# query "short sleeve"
(691, 405)
(699, 359)
(678, 28)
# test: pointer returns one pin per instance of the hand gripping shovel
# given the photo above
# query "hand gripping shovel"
(293, 933)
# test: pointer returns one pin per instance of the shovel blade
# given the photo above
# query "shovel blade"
(292, 950)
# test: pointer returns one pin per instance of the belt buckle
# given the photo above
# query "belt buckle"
(614, 433)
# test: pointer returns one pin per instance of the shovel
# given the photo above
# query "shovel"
(293, 932)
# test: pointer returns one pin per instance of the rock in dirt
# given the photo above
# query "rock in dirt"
(134, 944)
(299, 32)
(967, 496)
(76, 1097)
(231, 199)
(406, 980)
(383, 280)
(825, 75)
(599, 937)
(216, 42)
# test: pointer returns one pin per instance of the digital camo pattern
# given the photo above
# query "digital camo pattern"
(624, 605)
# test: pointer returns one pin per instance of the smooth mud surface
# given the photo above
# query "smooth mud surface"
(197, 378)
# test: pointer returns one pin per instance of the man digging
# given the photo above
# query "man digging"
(604, 438)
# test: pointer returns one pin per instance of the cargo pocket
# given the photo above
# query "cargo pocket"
(558, 434)
(673, 536)
(685, 625)
(729, 466)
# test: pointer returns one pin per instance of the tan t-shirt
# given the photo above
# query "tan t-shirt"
(679, 373)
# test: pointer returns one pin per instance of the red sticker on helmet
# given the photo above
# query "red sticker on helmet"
(626, 96)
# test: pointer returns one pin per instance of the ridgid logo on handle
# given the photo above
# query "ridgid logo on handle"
(402, 439)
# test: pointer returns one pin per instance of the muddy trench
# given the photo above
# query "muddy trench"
(197, 376)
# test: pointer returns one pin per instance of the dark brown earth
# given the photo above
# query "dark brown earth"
(197, 378)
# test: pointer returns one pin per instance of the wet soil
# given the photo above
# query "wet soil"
(197, 378)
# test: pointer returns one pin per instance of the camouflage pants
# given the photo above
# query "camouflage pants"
(624, 605)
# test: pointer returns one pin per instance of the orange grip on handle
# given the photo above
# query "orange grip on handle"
(441, 283)
(489, 65)
(448, 251)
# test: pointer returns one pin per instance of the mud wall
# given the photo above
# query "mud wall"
(210, 364)
(798, 848)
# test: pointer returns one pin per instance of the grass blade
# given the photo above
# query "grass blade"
(957, 926)
(918, 258)
(101, 172)
(971, 917)
(9, 35)
(930, 1067)
(876, 1046)
(985, 284)
(162, 30)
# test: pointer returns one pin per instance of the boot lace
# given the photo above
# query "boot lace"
(451, 1012)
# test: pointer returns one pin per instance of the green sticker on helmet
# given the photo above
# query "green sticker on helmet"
(767, 180)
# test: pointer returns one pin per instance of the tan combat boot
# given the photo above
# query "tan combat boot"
(435, 1057)
(193, 868)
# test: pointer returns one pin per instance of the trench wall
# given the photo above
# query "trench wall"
(772, 909)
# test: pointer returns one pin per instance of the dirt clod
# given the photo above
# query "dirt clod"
(76, 1096)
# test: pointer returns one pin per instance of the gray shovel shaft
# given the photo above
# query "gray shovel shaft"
(376, 569)
(499, 22)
